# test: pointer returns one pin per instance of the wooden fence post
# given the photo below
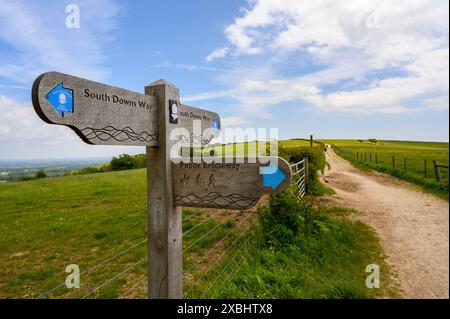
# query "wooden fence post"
(376, 158)
(404, 163)
(425, 169)
(306, 170)
(165, 269)
(370, 158)
(393, 161)
(436, 170)
(311, 140)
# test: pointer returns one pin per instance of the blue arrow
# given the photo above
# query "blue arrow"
(216, 124)
(272, 176)
(61, 99)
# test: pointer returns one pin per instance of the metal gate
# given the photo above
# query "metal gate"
(300, 175)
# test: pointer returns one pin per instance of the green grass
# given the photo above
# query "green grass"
(48, 224)
(248, 149)
(319, 266)
(296, 143)
(378, 156)
(324, 258)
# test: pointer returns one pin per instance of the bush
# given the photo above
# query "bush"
(316, 162)
(88, 170)
(141, 160)
(40, 174)
(281, 220)
(285, 218)
(123, 162)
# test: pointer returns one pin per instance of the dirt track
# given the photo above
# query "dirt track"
(413, 226)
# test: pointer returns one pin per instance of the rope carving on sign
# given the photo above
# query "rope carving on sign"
(217, 199)
(120, 135)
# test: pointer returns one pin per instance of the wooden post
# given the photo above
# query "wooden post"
(164, 220)
(393, 161)
(306, 169)
(376, 158)
(425, 169)
(404, 163)
(436, 170)
(365, 157)
(357, 155)
(370, 157)
(311, 140)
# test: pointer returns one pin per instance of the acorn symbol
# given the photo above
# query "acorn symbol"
(62, 98)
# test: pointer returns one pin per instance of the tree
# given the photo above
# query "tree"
(123, 162)
(40, 174)
(361, 141)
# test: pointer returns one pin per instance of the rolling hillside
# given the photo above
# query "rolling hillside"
(98, 221)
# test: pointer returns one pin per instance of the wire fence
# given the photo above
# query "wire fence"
(215, 243)
(419, 166)
(211, 258)
(299, 176)
(86, 272)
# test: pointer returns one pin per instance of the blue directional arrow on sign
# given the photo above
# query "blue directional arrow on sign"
(216, 124)
(272, 176)
(61, 99)
(231, 185)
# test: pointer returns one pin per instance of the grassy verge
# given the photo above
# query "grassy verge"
(427, 184)
(297, 251)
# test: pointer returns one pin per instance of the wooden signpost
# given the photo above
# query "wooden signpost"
(105, 115)
(235, 185)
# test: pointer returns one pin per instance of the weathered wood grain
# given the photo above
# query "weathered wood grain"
(236, 184)
(107, 115)
(165, 269)
(102, 114)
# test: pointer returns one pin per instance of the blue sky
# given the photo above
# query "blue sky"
(346, 69)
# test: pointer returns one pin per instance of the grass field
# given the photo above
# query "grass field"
(87, 220)
(250, 148)
(48, 224)
(379, 156)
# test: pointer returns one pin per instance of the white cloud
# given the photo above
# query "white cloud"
(218, 53)
(206, 96)
(257, 96)
(437, 103)
(39, 41)
(34, 39)
(369, 57)
(428, 75)
(384, 29)
(234, 121)
(24, 135)
(19, 123)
